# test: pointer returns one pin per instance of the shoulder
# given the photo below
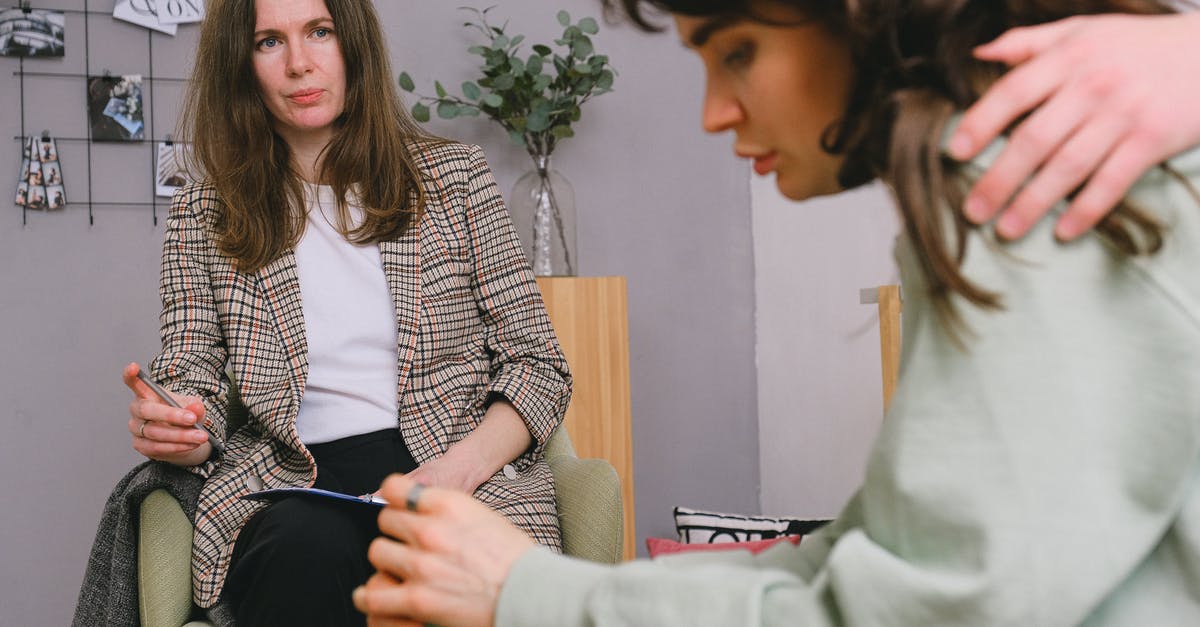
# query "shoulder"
(446, 161)
(198, 198)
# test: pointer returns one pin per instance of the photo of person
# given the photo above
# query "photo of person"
(171, 173)
(47, 151)
(56, 197)
(31, 33)
(37, 197)
(23, 180)
(115, 107)
(35, 173)
(51, 175)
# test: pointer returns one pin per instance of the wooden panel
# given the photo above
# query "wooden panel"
(590, 317)
(889, 339)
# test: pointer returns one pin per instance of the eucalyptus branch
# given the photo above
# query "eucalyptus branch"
(535, 98)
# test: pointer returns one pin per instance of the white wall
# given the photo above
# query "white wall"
(819, 389)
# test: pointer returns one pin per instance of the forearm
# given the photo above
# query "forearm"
(499, 439)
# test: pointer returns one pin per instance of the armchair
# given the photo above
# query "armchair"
(587, 492)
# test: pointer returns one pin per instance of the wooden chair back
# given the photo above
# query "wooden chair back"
(889, 300)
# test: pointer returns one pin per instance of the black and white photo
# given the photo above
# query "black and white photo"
(32, 33)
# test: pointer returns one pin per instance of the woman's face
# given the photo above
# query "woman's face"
(299, 67)
(777, 88)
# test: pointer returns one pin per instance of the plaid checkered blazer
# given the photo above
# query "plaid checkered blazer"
(471, 323)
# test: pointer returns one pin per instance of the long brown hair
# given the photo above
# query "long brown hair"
(235, 146)
(914, 70)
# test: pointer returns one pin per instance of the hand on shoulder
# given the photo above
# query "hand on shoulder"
(1107, 98)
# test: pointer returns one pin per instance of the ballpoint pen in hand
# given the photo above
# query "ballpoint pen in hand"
(170, 400)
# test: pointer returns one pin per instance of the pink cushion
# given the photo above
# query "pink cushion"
(663, 546)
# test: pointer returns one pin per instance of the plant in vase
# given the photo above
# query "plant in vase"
(536, 98)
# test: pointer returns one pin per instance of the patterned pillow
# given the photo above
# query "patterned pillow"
(699, 527)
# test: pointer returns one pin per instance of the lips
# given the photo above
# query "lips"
(305, 96)
(764, 164)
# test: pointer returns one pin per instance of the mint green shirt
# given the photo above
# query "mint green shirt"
(1045, 476)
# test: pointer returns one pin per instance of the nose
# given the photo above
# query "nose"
(299, 62)
(722, 110)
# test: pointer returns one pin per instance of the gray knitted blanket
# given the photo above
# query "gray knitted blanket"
(109, 595)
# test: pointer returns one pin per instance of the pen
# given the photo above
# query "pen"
(170, 400)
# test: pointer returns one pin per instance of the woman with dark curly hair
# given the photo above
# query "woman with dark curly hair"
(1039, 464)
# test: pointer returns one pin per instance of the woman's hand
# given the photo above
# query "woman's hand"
(444, 563)
(447, 472)
(1108, 97)
(162, 432)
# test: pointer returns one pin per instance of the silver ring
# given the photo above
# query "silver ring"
(414, 495)
(142, 431)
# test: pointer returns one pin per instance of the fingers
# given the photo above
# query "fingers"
(1020, 44)
(390, 557)
(390, 602)
(384, 600)
(1032, 142)
(140, 389)
(1108, 186)
(396, 488)
(1017, 92)
(150, 428)
(1064, 172)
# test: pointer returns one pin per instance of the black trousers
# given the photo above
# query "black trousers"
(298, 561)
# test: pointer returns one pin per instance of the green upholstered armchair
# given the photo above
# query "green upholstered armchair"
(587, 491)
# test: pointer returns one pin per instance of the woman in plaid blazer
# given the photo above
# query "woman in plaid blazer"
(291, 289)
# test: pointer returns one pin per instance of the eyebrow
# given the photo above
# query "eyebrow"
(309, 24)
(710, 27)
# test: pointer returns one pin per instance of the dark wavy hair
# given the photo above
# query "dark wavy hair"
(914, 70)
(235, 146)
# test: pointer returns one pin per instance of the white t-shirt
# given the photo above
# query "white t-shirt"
(350, 324)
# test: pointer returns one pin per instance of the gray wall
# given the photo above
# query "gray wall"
(658, 202)
(820, 393)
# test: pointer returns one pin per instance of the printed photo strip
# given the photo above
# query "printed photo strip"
(41, 184)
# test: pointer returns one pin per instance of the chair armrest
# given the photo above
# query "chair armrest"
(588, 495)
(164, 562)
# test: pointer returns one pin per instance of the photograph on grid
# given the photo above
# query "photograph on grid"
(23, 180)
(32, 33)
(36, 198)
(35, 172)
(171, 173)
(47, 150)
(52, 175)
(22, 198)
(56, 197)
(32, 186)
(115, 107)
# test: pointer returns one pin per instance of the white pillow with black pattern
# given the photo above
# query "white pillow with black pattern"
(700, 527)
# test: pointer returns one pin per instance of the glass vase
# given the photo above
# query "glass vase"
(547, 199)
